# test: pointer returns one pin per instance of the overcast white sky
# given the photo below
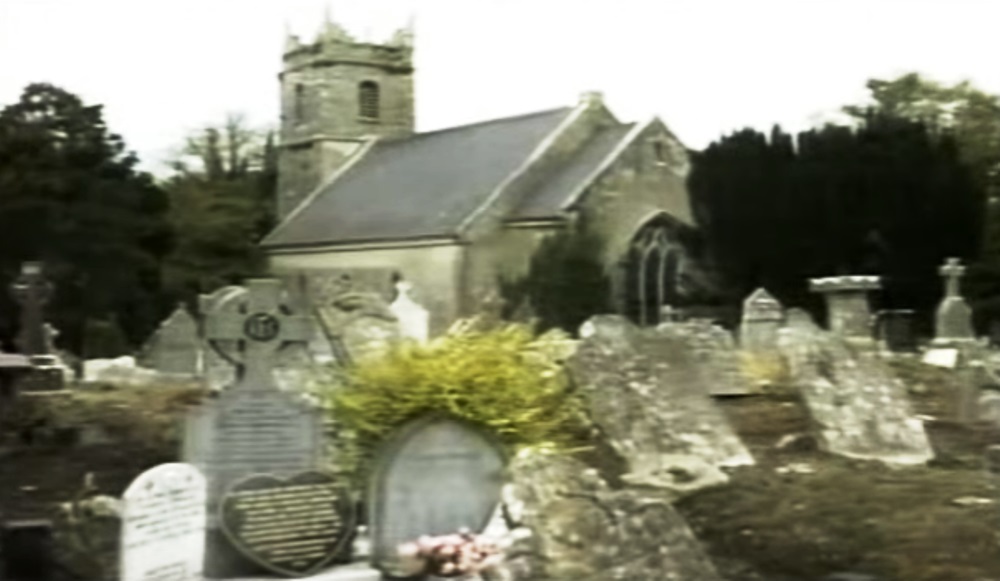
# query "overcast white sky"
(706, 67)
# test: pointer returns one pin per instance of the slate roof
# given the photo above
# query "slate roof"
(418, 187)
(547, 200)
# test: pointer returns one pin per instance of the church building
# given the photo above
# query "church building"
(453, 211)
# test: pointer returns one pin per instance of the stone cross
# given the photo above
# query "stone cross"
(263, 329)
(32, 292)
(952, 271)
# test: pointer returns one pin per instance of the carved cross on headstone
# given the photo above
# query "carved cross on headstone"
(32, 292)
(952, 271)
(262, 329)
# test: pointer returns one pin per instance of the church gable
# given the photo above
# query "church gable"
(425, 186)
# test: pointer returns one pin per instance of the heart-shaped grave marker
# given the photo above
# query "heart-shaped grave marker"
(291, 526)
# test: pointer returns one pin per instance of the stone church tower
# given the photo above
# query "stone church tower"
(336, 93)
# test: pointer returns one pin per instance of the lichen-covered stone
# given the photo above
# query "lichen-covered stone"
(858, 408)
(581, 530)
(646, 394)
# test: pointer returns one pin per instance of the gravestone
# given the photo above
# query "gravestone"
(858, 407)
(646, 392)
(357, 319)
(217, 370)
(32, 291)
(175, 347)
(28, 550)
(436, 476)
(290, 526)
(848, 311)
(414, 320)
(762, 316)
(714, 350)
(252, 427)
(941, 357)
(569, 524)
(953, 320)
(163, 525)
(895, 329)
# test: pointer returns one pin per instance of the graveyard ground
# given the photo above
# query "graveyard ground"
(903, 524)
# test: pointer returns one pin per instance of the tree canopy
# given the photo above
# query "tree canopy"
(890, 197)
(71, 196)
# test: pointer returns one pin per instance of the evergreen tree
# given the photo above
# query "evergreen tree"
(70, 196)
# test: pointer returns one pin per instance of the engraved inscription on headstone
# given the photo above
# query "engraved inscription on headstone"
(437, 476)
(163, 525)
(292, 527)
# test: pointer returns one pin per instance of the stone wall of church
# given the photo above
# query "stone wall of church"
(433, 270)
(498, 250)
(638, 187)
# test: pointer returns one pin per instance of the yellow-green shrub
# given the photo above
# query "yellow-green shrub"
(504, 379)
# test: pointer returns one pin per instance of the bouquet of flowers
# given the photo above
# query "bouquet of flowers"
(453, 555)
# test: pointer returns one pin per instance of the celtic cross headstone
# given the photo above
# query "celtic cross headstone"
(260, 331)
(253, 427)
(32, 292)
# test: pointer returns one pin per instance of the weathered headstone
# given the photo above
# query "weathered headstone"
(646, 392)
(858, 407)
(714, 351)
(175, 347)
(762, 316)
(163, 525)
(292, 526)
(436, 476)
(895, 329)
(953, 320)
(414, 320)
(358, 321)
(32, 292)
(578, 528)
(848, 311)
(253, 427)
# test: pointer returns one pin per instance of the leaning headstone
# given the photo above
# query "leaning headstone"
(163, 525)
(436, 476)
(848, 310)
(763, 315)
(252, 427)
(953, 320)
(175, 347)
(646, 393)
(714, 351)
(358, 321)
(859, 408)
(576, 527)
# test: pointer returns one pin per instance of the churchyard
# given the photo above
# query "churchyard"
(309, 427)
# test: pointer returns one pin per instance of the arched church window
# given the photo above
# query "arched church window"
(651, 273)
(368, 100)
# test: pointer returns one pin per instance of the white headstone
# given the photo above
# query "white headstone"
(414, 320)
(163, 525)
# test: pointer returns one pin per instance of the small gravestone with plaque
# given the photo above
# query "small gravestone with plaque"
(252, 427)
(290, 526)
(163, 525)
(437, 476)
